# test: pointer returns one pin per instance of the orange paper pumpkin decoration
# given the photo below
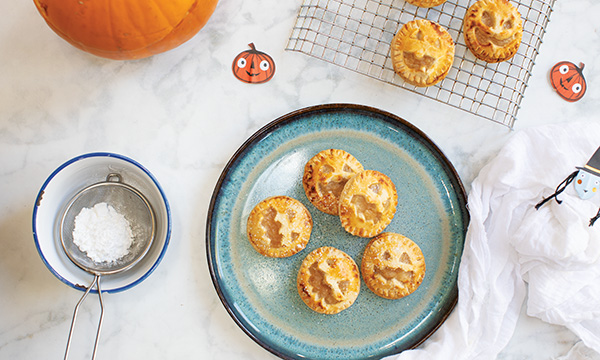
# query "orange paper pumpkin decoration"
(253, 66)
(568, 81)
(122, 30)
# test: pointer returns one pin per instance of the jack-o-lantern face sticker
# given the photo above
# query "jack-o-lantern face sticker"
(253, 66)
(568, 81)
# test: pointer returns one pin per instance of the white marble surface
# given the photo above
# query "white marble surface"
(182, 114)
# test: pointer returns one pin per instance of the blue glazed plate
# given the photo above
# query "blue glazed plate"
(260, 292)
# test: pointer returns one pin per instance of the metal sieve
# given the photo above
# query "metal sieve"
(136, 209)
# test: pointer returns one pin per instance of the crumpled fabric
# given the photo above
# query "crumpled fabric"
(513, 253)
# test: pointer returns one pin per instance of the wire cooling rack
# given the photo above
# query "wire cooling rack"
(356, 35)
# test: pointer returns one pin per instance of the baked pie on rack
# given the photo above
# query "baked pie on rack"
(279, 226)
(328, 280)
(325, 175)
(422, 52)
(493, 30)
(368, 203)
(426, 3)
(392, 266)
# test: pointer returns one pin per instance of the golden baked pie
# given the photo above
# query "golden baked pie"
(368, 203)
(493, 30)
(325, 175)
(279, 226)
(422, 52)
(426, 3)
(392, 266)
(328, 280)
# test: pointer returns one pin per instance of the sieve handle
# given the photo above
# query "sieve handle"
(114, 177)
(96, 281)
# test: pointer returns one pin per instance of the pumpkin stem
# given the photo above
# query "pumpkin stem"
(581, 66)
(254, 48)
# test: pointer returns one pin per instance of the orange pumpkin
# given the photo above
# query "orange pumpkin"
(253, 66)
(568, 81)
(126, 29)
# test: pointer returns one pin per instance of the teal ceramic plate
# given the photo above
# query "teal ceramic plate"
(260, 293)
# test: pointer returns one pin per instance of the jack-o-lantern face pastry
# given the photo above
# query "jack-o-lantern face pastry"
(325, 175)
(328, 280)
(493, 30)
(279, 226)
(426, 3)
(422, 52)
(368, 203)
(392, 266)
(568, 81)
(253, 66)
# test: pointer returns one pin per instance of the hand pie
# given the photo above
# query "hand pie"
(328, 280)
(493, 30)
(279, 226)
(325, 176)
(422, 52)
(426, 3)
(368, 203)
(392, 266)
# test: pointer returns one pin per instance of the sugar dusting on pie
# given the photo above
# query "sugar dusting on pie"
(392, 266)
(325, 175)
(328, 280)
(368, 203)
(279, 226)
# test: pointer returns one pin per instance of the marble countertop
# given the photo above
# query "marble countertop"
(182, 114)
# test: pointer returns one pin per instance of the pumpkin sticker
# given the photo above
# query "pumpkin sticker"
(253, 66)
(568, 81)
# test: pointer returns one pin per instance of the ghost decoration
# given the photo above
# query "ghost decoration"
(586, 183)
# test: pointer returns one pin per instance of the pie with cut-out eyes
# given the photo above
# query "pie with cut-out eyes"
(493, 30)
(368, 203)
(422, 52)
(328, 280)
(279, 226)
(325, 175)
(393, 266)
(426, 3)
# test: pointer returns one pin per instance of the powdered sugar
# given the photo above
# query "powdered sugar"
(102, 233)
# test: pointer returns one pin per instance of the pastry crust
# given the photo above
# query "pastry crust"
(422, 52)
(392, 266)
(325, 175)
(368, 203)
(426, 3)
(493, 30)
(279, 226)
(328, 280)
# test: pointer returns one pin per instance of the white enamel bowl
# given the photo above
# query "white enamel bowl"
(75, 175)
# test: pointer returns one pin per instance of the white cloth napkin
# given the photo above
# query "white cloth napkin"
(550, 256)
